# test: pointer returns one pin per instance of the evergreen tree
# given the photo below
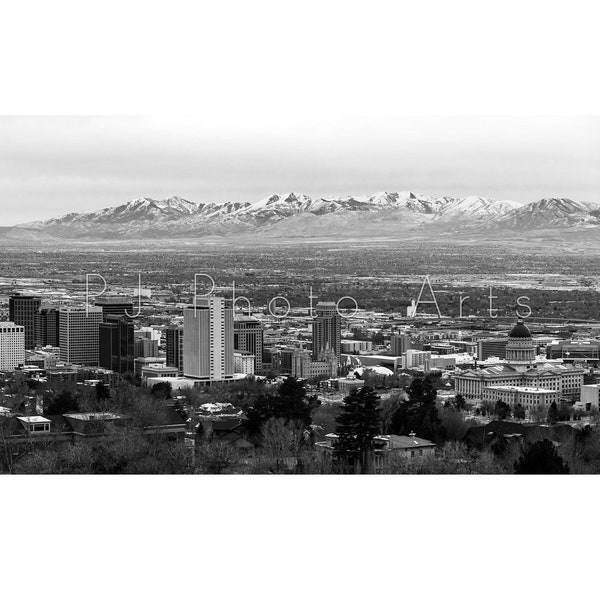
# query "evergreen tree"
(102, 391)
(357, 424)
(59, 403)
(541, 458)
(502, 410)
(162, 390)
(419, 413)
(553, 413)
(291, 403)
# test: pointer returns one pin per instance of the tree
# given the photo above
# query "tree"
(125, 452)
(541, 458)
(553, 413)
(291, 403)
(452, 458)
(162, 390)
(518, 412)
(215, 458)
(459, 402)
(102, 391)
(281, 443)
(538, 412)
(59, 403)
(502, 410)
(419, 413)
(324, 416)
(389, 406)
(565, 412)
(455, 423)
(180, 409)
(357, 425)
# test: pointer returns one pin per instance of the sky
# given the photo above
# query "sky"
(51, 166)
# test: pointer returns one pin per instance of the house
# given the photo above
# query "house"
(404, 447)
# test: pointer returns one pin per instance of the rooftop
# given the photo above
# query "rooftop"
(521, 388)
(34, 419)
(405, 441)
(520, 330)
(93, 416)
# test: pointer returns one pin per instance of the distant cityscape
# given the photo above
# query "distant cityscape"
(236, 387)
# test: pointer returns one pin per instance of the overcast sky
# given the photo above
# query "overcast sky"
(54, 165)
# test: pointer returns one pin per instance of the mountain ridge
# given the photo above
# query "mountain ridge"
(302, 215)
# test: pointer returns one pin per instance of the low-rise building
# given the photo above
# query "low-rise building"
(403, 447)
(158, 371)
(346, 384)
(590, 396)
(527, 397)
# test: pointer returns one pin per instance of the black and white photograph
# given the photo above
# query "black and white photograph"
(355, 244)
(224, 326)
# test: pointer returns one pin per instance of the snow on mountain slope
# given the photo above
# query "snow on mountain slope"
(476, 207)
(299, 214)
(551, 213)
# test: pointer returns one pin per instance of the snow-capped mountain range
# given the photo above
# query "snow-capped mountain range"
(298, 215)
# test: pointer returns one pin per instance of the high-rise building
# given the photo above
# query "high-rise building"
(248, 335)
(12, 345)
(243, 362)
(47, 326)
(174, 346)
(115, 342)
(23, 310)
(399, 344)
(114, 305)
(416, 358)
(208, 340)
(145, 347)
(78, 335)
(326, 329)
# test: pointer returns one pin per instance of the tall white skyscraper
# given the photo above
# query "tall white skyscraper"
(78, 335)
(12, 345)
(208, 340)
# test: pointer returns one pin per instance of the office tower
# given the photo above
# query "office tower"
(47, 326)
(115, 344)
(492, 347)
(174, 346)
(326, 329)
(416, 358)
(23, 310)
(114, 305)
(399, 344)
(248, 336)
(272, 359)
(243, 362)
(12, 345)
(285, 364)
(145, 347)
(78, 335)
(208, 340)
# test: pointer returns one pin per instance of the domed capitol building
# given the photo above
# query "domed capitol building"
(519, 379)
